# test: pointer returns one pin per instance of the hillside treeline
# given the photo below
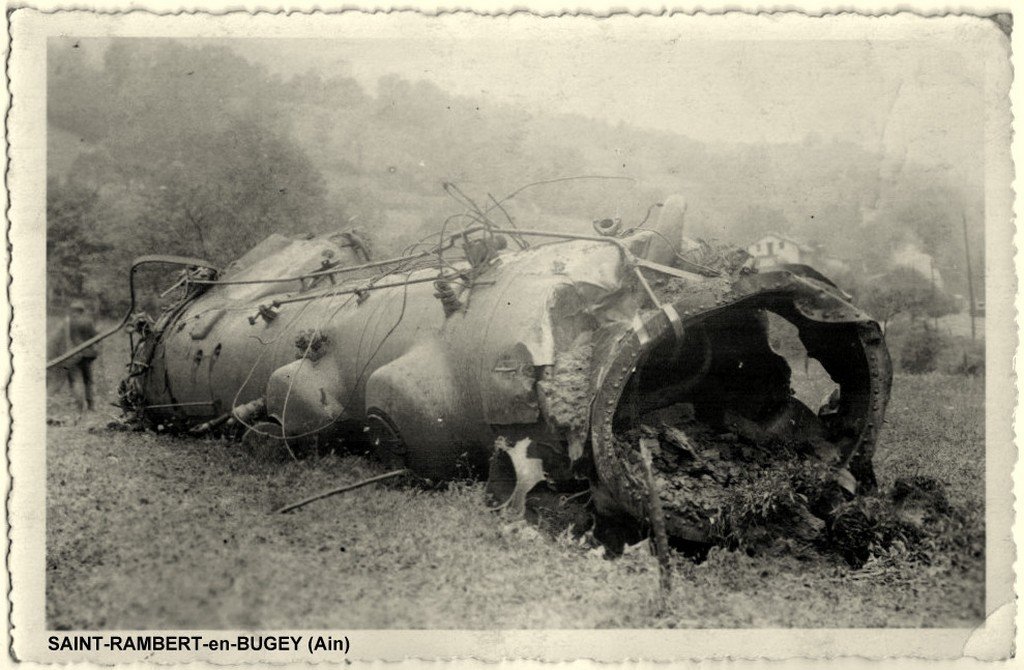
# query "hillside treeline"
(169, 147)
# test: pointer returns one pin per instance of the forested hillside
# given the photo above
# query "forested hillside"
(163, 146)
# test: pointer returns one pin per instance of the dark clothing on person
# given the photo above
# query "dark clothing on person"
(82, 367)
(80, 329)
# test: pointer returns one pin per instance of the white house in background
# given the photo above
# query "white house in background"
(775, 249)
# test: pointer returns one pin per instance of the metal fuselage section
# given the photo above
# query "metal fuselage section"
(451, 384)
(559, 343)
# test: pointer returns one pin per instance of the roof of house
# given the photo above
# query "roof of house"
(800, 245)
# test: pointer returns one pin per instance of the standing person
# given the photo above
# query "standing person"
(80, 328)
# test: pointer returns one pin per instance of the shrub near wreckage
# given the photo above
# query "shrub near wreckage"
(538, 356)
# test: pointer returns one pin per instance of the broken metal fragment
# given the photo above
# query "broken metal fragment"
(526, 473)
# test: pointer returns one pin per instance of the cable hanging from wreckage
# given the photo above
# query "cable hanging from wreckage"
(560, 361)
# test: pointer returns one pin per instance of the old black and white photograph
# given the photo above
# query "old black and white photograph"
(410, 322)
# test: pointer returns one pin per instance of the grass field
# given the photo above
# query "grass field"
(148, 531)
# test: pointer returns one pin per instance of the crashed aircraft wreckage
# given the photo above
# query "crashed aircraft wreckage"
(534, 355)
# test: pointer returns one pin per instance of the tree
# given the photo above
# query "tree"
(233, 189)
(185, 152)
(72, 247)
(904, 290)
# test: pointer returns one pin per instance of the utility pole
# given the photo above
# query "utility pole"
(970, 279)
(931, 267)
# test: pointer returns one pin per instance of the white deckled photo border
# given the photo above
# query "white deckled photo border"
(28, 31)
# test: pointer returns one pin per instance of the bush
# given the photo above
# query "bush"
(966, 358)
(921, 350)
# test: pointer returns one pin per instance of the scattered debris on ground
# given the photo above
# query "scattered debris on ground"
(777, 496)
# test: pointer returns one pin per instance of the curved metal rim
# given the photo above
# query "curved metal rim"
(627, 354)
